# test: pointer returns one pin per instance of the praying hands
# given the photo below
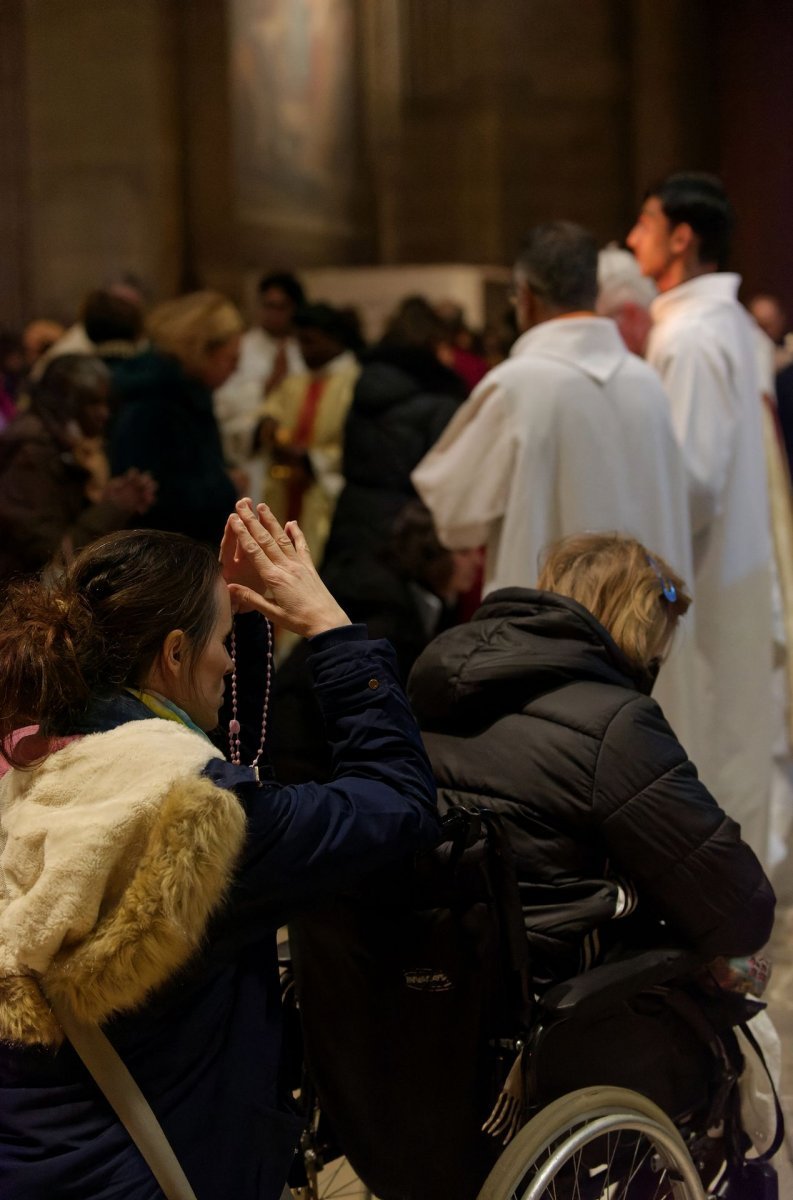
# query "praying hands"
(269, 570)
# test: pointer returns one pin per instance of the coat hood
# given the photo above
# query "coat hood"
(114, 854)
(520, 644)
(393, 374)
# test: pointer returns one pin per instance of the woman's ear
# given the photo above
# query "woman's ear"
(173, 651)
(169, 667)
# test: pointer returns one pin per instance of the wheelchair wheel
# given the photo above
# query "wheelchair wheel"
(599, 1143)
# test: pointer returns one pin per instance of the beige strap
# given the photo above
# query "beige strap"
(125, 1097)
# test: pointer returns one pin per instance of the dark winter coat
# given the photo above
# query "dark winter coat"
(166, 425)
(204, 1044)
(403, 400)
(43, 504)
(532, 710)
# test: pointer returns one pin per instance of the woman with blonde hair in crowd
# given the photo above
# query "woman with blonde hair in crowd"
(166, 424)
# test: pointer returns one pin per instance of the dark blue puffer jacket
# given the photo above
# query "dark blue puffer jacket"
(204, 1047)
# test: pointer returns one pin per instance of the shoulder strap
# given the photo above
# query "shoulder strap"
(779, 1136)
(130, 1105)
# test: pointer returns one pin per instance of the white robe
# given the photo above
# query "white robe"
(571, 434)
(238, 402)
(702, 345)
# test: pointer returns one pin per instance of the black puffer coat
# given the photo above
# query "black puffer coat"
(404, 398)
(534, 711)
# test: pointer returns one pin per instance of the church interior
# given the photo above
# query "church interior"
(198, 143)
(377, 150)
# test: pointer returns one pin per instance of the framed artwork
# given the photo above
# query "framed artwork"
(293, 69)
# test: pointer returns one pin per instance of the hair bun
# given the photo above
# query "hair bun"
(46, 613)
(45, 655)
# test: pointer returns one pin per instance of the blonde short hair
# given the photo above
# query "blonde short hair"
(192, 326)
(624, 585)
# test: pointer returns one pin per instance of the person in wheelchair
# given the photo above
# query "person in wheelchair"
(540, 710)
(544, 740)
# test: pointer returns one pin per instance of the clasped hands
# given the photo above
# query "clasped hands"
(269, 570)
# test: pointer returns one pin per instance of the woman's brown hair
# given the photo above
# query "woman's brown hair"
(101, 627)
(633, 592)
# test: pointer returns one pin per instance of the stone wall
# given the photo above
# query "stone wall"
(196, 141)
(99, 192)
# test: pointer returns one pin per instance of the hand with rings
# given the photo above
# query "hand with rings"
(269, 570)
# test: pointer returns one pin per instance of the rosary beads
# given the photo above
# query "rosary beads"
(234, 724)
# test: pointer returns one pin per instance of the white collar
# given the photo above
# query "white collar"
(591, 344)
(718, 287)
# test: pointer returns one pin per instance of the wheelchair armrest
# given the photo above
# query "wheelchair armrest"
(604, 987)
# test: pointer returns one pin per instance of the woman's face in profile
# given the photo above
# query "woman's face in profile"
(220, 362)
(204, 684)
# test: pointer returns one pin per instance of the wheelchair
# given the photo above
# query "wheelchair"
(628, 1089)
(601, 1141)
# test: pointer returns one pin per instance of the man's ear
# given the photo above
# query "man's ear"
(683, 240)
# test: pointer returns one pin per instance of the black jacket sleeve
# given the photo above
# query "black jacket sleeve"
(666, 832)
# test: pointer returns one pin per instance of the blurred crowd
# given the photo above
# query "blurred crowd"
(433, 465)
(161, 416)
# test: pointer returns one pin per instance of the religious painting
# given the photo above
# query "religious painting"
(294, 93)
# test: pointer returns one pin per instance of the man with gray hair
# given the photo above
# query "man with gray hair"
(625, 295)
(571, 433)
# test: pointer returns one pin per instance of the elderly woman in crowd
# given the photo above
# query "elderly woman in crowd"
(55, 496)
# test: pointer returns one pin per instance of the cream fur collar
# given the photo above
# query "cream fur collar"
(113, 854)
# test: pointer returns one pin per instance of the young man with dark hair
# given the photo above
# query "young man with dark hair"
(289, 286)
(571, 433)
(703, 346)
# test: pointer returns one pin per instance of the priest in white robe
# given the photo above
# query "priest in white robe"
(269, 351)
(571, 433)
(702, 346)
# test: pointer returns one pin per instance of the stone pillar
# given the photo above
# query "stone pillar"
(205, 135)
(672, 86)
(497, 116)
(103, 177)
(13, 177)
(563, 85)
(755, 59)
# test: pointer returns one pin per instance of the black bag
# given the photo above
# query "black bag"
(413, 996)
